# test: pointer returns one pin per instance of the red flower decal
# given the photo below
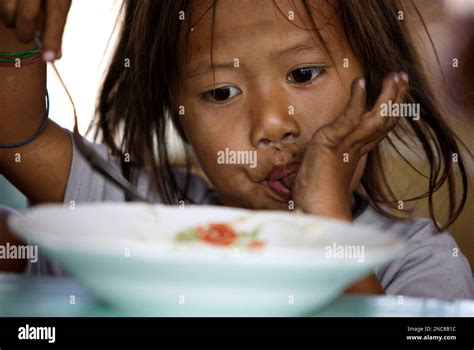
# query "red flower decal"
(256, 244)
(219, 234)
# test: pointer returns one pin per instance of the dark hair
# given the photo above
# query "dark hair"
(136, 110)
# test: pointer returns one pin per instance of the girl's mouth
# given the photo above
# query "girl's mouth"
(281, 189)
(281, 179)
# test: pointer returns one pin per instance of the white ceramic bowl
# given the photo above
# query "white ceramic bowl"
(154, 260)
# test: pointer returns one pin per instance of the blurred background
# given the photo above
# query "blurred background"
(88, 42)
(450, 24)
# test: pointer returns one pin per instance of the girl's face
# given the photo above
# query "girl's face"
(275, 85)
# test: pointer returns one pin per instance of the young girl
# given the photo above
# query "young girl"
(301, 83)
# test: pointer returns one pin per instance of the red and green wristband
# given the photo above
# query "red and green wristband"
(20, 58)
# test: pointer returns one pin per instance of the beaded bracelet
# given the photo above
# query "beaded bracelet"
(37, 132)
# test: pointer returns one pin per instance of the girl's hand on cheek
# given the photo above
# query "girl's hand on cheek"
(322, 184)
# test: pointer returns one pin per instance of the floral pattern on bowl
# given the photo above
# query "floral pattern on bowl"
(221, 234)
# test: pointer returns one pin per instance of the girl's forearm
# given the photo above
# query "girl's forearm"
(22, 92)
(334, 202)
(40, 168)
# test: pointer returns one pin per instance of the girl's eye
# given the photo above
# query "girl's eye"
(221, 94)
(305, 75)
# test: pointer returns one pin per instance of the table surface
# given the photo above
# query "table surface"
(28, 296)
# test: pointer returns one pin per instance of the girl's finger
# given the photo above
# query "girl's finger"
(402, 92)
(390, 87)
(346, 123)
(7, 12)
(371, 145)
(56, 15)
(373, 128)
(390, 122)
(356, 106)
(373, 123)
(373, 141)
(26, 18)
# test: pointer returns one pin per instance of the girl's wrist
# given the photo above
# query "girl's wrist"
(335, 206)
(330, 212)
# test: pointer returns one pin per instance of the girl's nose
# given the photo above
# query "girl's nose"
(273, 127)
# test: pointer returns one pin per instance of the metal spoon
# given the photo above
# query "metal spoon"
(97, 163)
